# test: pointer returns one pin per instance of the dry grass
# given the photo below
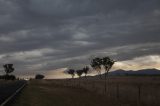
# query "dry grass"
(45, 93)
(128, 89)
(91, 92)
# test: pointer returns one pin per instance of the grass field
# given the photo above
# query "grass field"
(44, 93)
(132, 91)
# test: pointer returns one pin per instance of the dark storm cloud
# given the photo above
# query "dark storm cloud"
(49, 34)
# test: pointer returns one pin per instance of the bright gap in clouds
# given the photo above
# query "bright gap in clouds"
(146, 62)
(138, 63)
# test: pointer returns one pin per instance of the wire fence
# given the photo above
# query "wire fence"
(142, 92)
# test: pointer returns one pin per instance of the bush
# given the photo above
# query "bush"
(8, 77)
(39, 76)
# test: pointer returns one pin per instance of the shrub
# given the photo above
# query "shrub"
(39, 76)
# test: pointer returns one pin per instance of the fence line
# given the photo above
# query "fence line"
(145, 93)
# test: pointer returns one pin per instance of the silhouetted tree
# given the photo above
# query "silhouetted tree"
(8, 68)
(71, 72)
(85, 70)
(39, 76)
(107, 63)
(96, 64)
(79, 73)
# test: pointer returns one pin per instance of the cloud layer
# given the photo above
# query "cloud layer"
(41, 35)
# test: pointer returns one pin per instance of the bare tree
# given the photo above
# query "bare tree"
(71, 72)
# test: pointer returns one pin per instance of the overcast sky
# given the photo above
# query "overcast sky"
(43, 35)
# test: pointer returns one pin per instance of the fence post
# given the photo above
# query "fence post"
(117, 89)
(79, 85)
(93, 85)
(139, 94)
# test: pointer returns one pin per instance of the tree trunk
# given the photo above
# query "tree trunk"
(117, 90)
(106, 81)
(139, 94)
(105, 88)
(100, 75)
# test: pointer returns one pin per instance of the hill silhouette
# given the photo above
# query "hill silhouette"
(138, 72)
(145, 72)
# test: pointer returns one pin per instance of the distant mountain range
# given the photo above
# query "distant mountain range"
(120, 72)
(131, 72)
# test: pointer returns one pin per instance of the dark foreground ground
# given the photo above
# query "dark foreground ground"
(122, 91)
(8, 88)
(43, 93)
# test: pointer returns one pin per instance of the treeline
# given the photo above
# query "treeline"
(97, 64)
(79, 73)
(8, 77)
